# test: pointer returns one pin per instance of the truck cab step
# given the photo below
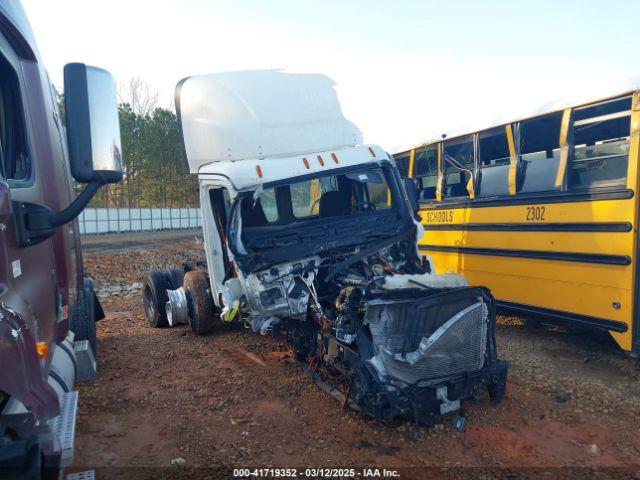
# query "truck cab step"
(64, 426)
(86, 475)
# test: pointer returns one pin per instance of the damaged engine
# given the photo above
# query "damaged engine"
(283, 290)
(395, 339)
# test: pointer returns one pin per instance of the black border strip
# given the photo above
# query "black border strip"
(566, 317)
(533, 227)
(538, 254)
(525, 199)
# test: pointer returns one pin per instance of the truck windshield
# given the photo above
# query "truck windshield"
(328, 196)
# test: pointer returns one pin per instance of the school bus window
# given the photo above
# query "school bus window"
(14, 163)
(539, 140)
(402, 162)
(425, 171)
(600, 145)
(494, 158)
(458, 158)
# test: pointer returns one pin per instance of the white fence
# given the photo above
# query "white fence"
(111, 220)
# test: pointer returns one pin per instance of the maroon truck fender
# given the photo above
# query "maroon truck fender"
(23, 377)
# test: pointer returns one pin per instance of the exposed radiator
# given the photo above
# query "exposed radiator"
(411, 345)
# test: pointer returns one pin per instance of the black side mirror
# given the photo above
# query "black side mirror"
(412, 193)
(93, 128)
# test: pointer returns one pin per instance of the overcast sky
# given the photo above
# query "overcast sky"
(406, 70)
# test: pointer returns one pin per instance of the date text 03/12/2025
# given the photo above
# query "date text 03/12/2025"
(315, 473)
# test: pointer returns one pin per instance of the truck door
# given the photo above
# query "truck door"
(216, 205)
(27, 282)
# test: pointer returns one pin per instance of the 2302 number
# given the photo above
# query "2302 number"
(535, 214)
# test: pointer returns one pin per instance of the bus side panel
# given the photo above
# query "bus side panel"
(633, 183)
(570, 257)
(507, 284)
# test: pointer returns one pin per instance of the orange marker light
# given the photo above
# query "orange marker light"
(373, 154)
(259, 171)
(43, 349)
(335, 157)
(306, 163)
(320, 160)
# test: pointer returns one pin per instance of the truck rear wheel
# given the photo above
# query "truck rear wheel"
(176, 276)
(156, 284)
(202, 314)
(83, 317)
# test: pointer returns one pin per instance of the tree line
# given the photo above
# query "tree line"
(152, 154)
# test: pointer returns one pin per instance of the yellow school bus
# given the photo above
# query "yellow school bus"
(543, 210)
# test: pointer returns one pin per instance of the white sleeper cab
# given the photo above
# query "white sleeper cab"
(312, 235)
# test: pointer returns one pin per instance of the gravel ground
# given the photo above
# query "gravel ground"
(233, 399)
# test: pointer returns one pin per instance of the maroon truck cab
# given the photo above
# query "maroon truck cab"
(47, 307)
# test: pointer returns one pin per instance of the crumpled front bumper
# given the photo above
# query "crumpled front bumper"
(428, 351)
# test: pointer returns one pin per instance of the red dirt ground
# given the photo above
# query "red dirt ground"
(222, 401)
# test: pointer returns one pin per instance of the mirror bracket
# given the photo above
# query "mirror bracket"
(35, 223)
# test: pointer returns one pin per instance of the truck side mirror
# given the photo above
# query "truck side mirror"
(93, 130)
(412, 193)
(95, 155)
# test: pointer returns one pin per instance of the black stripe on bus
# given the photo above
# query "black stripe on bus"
(538, 254)
(525, 199)
(560, 316)
(533, 227)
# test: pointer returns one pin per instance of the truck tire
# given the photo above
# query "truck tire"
(202, 314)
(83, 317)
(176, 276)
(156, 284)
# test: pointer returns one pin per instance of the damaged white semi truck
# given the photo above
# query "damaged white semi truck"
(312, 235)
